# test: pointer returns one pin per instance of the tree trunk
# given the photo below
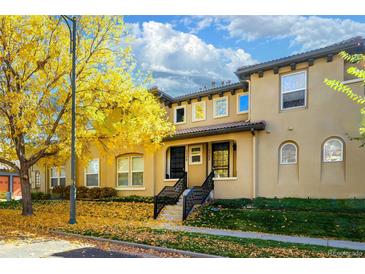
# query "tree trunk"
(26, 192)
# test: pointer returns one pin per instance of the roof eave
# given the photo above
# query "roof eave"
(249, 127)
(354, 47)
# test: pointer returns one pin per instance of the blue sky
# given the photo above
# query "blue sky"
(186, 53)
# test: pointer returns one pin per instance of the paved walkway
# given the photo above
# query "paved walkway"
(267, 236)
(37, 248)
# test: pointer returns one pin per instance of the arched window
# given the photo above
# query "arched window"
(288, 153)
(333, 150)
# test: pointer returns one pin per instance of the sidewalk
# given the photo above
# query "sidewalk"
(267, 236)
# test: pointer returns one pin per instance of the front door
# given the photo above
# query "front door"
(220, 161)
(177, 162)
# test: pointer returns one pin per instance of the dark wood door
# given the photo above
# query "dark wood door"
(177, 162)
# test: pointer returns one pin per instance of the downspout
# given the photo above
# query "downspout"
(254, 144)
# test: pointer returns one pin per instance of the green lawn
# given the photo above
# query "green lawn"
(341, 219)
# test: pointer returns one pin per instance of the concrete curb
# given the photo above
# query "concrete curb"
(272, 237)
(144, 246)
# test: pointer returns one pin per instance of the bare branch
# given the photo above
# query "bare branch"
(9, 163)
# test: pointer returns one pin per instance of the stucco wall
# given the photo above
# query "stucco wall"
(232, 111)
(327, 114)
(238, 187)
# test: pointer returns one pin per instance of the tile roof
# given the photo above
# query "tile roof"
(355, 43)
(217, 129)
(202, 93)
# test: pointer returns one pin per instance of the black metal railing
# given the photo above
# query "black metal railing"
(169, 195)
(197, 195)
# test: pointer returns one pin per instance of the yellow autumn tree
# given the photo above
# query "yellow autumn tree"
(113, 107)
(357, 70)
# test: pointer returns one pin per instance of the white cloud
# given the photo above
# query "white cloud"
(307, 32)
(182, 62)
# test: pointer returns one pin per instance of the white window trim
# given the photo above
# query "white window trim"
(175, 117)
(35, 179)
(85, 173)
(324, 156)
(225, 179)
(130, 188)
(238, 103)
(58, 176)
(281, 153)
(193, 119)
(118, 172)
(294, 90)
(134, 171)
(191, 155)
(214, 107)
(130, 185)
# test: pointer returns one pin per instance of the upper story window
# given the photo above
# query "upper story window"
(220, 107)
(294, 90)
(333, 150)
(198, 111)
(130, 171)
(92, 173)
(58, 176)
(242, 103)
(195, 155)
(288, 154)
(180, 115)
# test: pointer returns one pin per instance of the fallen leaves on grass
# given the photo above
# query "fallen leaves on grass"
(133, 221)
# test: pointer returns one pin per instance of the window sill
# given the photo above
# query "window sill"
(193, 164)
(170, 180)
(292, 109)
(352, 81)
(130, 188)
(221, 116)
(200, 120)
(225, 179)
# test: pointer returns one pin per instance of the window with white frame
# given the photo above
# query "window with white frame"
(195, 155)
(180, 115)
(220, 107)
(288, 154)
(243, 103)
(130, 171)
(198, 111)
(92, 173)
(333, 150)
(57, 176)
(293, 90)
(37, 179)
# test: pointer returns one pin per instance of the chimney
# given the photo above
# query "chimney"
(213, 84)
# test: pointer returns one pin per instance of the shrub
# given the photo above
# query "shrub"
(107, 192)
(58, 191)
(133, 198)
(66, 193)
(82, 192)
(94, 193)
(40, 196)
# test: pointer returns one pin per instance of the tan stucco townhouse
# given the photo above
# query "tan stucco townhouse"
(277, 132)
